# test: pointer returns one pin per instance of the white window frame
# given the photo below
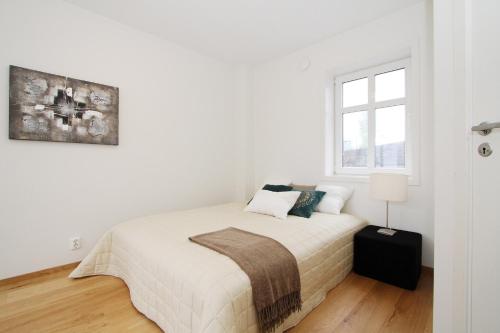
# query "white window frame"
(371, 106)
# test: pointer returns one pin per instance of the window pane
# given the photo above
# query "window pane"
(355, 139)
(390, 85)
(355, 92)
(390, 137)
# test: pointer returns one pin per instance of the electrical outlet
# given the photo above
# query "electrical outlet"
(75, 243)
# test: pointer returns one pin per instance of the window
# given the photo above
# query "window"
(371, 120)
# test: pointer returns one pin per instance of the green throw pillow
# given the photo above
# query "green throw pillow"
(277, 188)
(307, 201)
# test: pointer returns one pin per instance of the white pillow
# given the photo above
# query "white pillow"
(334, 199)
(276, 204)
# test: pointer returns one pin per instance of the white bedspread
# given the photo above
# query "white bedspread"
(185, 287)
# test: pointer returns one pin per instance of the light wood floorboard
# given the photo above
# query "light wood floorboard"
(50, 302)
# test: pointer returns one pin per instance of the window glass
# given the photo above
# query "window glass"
(390, 85)
(390, 137)
(355, 93)
(355, 139)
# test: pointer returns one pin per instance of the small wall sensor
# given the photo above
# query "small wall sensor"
(304, 64)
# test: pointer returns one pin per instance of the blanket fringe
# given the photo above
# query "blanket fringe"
(272, 316)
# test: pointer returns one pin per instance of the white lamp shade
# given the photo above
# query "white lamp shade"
(389, 186)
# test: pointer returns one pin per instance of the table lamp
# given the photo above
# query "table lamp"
(388, 187)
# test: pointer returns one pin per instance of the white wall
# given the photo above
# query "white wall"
(193, 131)
(289, 112)
(176, 134)
(244, 132)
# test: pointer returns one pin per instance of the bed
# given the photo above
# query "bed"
(184, 287)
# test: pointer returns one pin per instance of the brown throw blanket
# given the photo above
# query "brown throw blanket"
(272, 270)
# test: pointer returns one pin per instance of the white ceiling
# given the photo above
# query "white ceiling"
(243, 31)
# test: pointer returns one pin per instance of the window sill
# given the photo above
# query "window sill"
(350, 178)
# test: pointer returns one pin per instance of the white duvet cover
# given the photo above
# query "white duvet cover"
(185, 287)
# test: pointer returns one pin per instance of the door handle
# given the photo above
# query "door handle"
(485, 128)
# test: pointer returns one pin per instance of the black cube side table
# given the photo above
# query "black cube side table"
(393, 259)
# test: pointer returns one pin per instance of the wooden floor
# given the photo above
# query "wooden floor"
(51, 302)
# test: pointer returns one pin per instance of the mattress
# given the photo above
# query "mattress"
(184, 287)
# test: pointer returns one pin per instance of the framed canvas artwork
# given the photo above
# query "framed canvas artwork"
(48, 107)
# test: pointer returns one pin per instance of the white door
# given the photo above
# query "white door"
(484, 51)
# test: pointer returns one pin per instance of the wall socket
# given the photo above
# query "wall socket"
(75, 243)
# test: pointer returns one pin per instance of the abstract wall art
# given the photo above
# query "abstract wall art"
(47, 107)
